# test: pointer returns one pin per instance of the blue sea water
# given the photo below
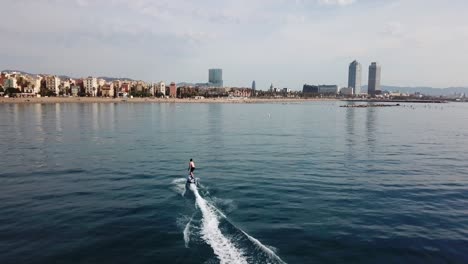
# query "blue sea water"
(279, 183)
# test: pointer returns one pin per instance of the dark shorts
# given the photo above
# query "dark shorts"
(192, 169)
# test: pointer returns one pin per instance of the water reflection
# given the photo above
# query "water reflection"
(58, 123)
(39, 123)
(371, 128)
(95, 117)
(17, 120)
(112, 117)
(350, 133)
(215, 125)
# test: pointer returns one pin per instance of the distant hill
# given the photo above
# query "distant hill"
(423, 90)
(108, 79)
(111, 79)
(18, 71)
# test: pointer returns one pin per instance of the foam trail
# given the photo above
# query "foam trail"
(257, 243)
(222, 246)
(179, 186)
(187, 233)
(263, 247)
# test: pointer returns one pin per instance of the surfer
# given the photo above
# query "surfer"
(191, 169)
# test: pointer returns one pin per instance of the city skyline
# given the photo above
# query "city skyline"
(411, 38)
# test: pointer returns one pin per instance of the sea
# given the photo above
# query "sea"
(306, 182)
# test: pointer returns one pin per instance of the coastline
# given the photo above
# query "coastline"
(55, 100)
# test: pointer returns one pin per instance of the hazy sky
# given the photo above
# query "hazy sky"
(285, 42)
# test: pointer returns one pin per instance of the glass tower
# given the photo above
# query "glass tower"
(374, 79)
(215, 77)
(354, 77)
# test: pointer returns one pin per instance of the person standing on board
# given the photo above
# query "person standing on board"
(191, 168)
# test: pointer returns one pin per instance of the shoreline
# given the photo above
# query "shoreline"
(248, 100)
(55, 100)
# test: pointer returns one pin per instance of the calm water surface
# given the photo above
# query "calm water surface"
(293, 183)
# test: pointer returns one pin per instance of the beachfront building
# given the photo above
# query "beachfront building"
(36, 84)
(125, 88)
(28, 88)
(52, 84)
(215, 77)
(173, 90)
(117, 84)
(3, 77)
(328, 89)
(107, 90)
(319, 90)
(347, 91)
(354, 77)
(101, 82)
(91, 86)
(65, 87)
(160, 89)
(374, 79)
(151, 89)
(310, 90)
(140, 86)
(75, 90)
(240, 92)
(10, 82)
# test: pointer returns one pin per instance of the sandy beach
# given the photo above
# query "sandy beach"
(54, 100)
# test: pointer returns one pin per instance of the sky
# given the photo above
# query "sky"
(284, 42)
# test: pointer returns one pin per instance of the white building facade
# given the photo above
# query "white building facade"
(91, 86)
(161, 88)
(37, 85)
(10, 82)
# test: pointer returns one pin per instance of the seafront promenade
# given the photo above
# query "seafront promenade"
(45, 100)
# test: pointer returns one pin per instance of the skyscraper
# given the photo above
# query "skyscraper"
(374, 79)
(215, 77)
(254, 88)
(354, 77)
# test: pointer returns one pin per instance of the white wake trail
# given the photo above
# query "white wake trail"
(265, 249)
(179, 186)
(224, 249)
(256, 242)
(187, 233)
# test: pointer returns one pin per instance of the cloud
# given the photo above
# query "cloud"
(393, 29)
(82, 3)
(282, 41)
(336, 2)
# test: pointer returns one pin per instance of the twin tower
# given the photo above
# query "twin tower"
(354, 78)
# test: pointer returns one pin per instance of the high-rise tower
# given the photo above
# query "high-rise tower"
(215, 77)
(354, 77)
(254, 88)
(374, 79)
